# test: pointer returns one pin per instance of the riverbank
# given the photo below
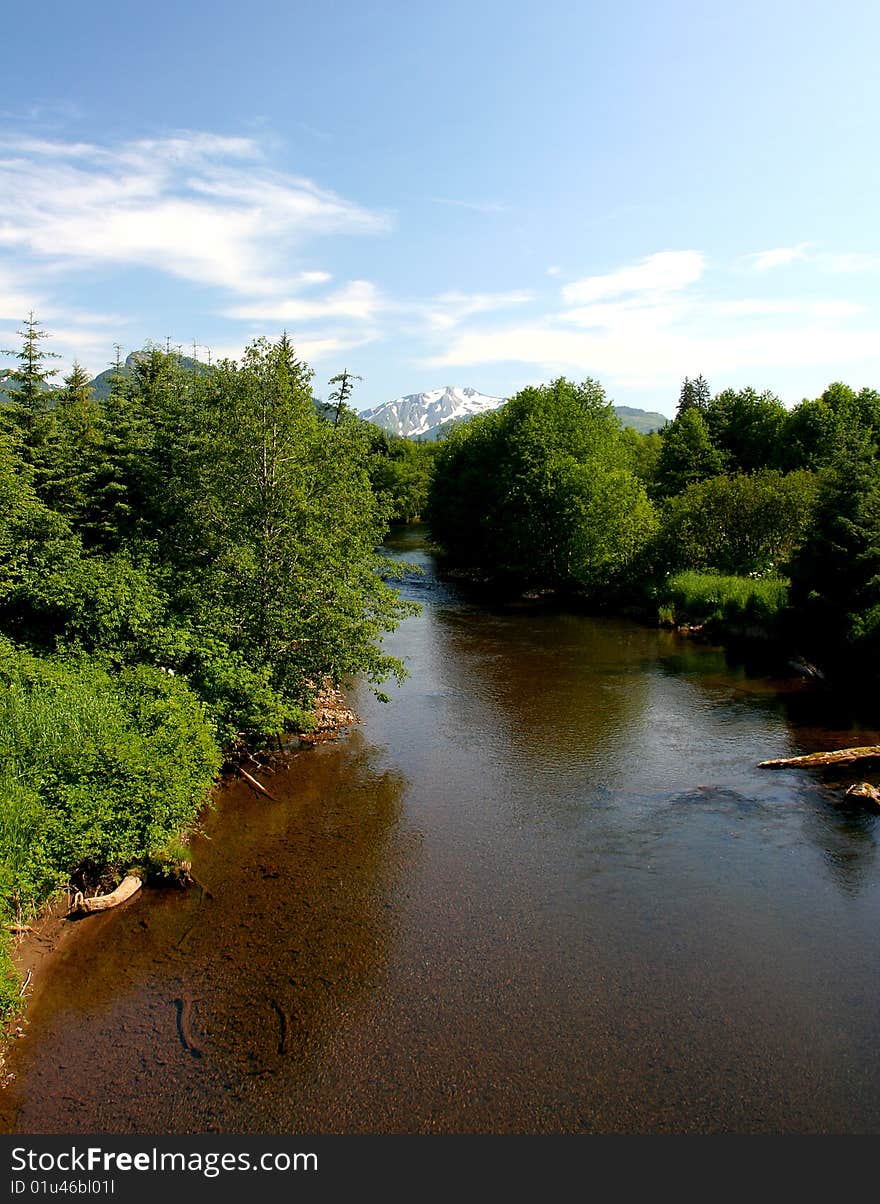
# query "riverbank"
(35, 943)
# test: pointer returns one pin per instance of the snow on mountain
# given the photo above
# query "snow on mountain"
(419, 414)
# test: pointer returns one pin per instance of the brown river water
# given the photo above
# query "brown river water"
(544, 889)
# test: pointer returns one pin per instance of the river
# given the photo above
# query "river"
(544, 889)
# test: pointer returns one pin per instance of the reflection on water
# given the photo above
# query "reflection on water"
(544, 889)
(198, 998)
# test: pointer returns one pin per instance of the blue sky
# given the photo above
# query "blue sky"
(486, 194)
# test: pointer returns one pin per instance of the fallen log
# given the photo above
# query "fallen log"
(840, 756)
(257, 785)
(126, 888)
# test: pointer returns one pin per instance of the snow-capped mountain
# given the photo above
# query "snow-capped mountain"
(418, 415)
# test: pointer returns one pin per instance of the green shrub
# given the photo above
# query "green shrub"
(95, 770)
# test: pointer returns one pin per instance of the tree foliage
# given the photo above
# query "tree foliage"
(542, 490)
(181, 564)
(740, 524)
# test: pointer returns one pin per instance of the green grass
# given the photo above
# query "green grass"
(720, 601)
(97, 770)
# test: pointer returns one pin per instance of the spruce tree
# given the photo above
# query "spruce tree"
(28, 389)
(77, 448)
(702, 393)
(687, 398)
(345, 380)
(31, 379)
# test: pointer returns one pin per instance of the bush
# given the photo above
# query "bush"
(95, 770)
(738, 525)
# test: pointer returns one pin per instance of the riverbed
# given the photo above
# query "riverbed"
(543, 889)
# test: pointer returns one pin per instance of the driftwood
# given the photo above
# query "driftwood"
(841, 756)
(257, 785)
(864, 790)
(126, 888)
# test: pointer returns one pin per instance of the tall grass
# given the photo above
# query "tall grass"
(711, 598)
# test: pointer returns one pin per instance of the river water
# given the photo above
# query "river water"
(544, 889)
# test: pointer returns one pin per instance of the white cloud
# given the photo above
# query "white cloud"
(197, 206)
(763, 261)
(645, 326)
(661, 358)
(17, 297)
(449, 309)
(359, 300)
(665, 272)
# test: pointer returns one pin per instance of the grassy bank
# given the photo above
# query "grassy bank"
(98, 772)
(724, 604)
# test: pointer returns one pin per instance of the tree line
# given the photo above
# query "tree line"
(737, 491)
(183, 565)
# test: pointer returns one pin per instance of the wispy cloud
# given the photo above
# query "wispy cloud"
(848, 262)
(198, 206)
(17, 296)
(449, 309)
(763, 261)
(645, 325)
(665, 272)
(359, 299)
(826, 261)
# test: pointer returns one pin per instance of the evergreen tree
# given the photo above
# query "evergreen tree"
(687, 397)
(119, 488)
(687, 454)
(30, 380)
(702, 393)
(345, 380)
(28, 390)
(77, 448)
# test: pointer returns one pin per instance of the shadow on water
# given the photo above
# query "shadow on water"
(200, 997)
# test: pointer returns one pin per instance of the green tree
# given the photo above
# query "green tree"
(76, 452)
(687, 454)
(740, 524)
(401, 471)
(644, 454)
(687, 397)
(543, 490)
(293, 583)
(747, 428)
(28, 384)
(345, 385)
(836, 573)
(28, 389)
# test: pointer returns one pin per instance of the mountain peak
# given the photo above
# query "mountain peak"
(419, 415)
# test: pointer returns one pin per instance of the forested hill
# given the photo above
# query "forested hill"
(643, 421)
